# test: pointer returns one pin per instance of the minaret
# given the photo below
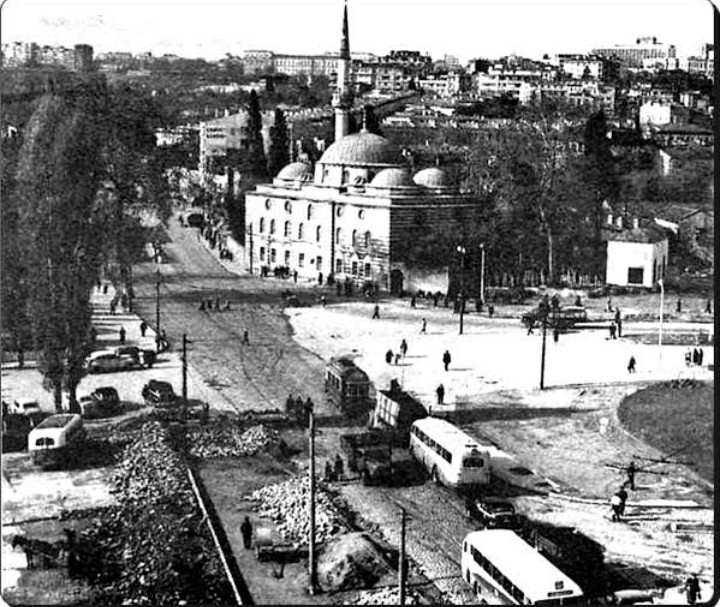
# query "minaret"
(343, 97)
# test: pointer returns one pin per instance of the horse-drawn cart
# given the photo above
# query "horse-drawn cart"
(269, 547)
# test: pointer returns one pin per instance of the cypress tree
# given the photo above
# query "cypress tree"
(257, 162)
(279, 155)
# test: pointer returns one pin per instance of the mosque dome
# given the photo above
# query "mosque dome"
(295, 170)
(363, 148)
(432, 178)
(393, 178)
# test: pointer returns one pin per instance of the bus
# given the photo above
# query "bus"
(450, 456)
(53, 441)
(503, 569)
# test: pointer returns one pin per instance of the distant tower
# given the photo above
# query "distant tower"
(343, 97)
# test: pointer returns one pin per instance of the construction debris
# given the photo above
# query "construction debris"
(386, 596)
(229, 440)
(287, 504)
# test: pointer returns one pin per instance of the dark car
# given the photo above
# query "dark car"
(99, 403)
(561, 318)
(159, 394)
(494, 513)
(195, 220)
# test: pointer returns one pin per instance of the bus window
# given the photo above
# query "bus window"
(473, 462)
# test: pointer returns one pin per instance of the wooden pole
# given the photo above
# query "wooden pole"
(401, 557)
(311, 539)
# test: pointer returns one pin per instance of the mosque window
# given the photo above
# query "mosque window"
(268, 204)
(361, 214)
(318, 233)
(338, 234)
(345, 175)
(338, 266)
(288, 206)
(261, 228)
(367, 239)
(367, 270)
(272, 226)
(301, 231)
(286, 232)
(310, 212)
(354, 238)
(262, 253)
(339, 211)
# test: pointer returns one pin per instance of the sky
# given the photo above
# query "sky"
(463, 28)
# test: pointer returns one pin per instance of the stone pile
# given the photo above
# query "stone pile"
(229, 440)
(386, 596)
(287, 504)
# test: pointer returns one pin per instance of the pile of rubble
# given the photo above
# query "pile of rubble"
(287, 504)
(229, 440)
(386, 596)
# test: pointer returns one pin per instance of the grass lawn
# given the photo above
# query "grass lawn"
(675, 420)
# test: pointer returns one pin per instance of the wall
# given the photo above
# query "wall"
(623, 255)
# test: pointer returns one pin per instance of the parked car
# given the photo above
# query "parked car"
(100, 402)
(561, 318)
(108, 360)
(494, 513)
(195, 220)
(159, 394)
(25, 406)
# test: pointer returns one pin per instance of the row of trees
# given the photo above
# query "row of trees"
(69, 178)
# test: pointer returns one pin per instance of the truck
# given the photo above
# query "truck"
(378, 458)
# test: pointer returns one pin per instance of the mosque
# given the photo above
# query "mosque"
(353, 215)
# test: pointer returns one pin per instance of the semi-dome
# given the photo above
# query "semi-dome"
(392, 178)
(432, 178)
(363, 148)
(295, 170)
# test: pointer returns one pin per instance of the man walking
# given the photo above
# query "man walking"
(403, 348)
(388, 356)
(376, 312)
(556, 335)
(440, 390)
(616, 507)
(446, 359)
(631, 365)
(122, 335)
(143, 328)
(246, 531)
(692, 589)
(424, 326)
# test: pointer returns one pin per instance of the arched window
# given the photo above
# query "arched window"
(272, 226)
(301, 231)
(367, 239)
(318, 233)
(310, 212)
(338, 233)
(261, 229)
(286, 232)
(288, 206)
(354, 238)
(346, 175)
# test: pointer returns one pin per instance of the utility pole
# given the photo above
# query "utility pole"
(157, 311)
(482, 272)
(545, 311)
(311, 539)
(185, 342)
(461, 298)
(401, 557)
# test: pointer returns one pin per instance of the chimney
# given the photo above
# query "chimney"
(619, 221)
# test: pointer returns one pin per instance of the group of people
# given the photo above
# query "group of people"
(334, 472)
(209, 305)
(299, 409)
(694, 357)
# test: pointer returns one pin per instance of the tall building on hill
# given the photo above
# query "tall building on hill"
(355, 213)
(647, 48)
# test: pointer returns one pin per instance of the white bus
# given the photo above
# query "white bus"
(504, 569)
(53, 441)
(449, 455)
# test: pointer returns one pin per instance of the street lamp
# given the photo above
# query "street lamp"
(662, 301)
(461, 250)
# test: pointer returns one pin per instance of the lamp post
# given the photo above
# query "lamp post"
(662, 302)
(482, 273)
(461, 250)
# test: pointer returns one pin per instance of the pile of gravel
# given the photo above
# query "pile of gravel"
(229, 440)
(386, 596)
(287, 504)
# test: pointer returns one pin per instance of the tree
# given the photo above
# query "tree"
(279, 155)
(257, 164)
(371, 122)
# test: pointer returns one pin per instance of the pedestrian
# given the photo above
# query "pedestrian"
(246, 531)
(413, 301)
(609, 304)
(205, 414)
(122, 335)
(388, 356)
(556, 335)
(320, 278)
(397, 358)
(21, 358)
(692, 589)
(209, 304)
(112, 307)
(491, 310)
(440, 391)
(143, 328)
(227, 306)
(631, 365)
(290, 405)
(578, 302)
(616, 507)
(446, 359)
(339, 467)
(105, 289)
(701, 355)
(299, 406)
(623, 495)
(202, 305)
(478, 305)
(93, 334)
(323, 300)
(217, 303)
(678, 306)
(403, 347)
(531, 326)
(631, 470)
(329, 475)
(435, 300)
(708, 307)
(246, 337)
(618, 322)
(376, 311)
(295, 275)
(688, 357)
(424, 326)
(613, 330)
(695, 356)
